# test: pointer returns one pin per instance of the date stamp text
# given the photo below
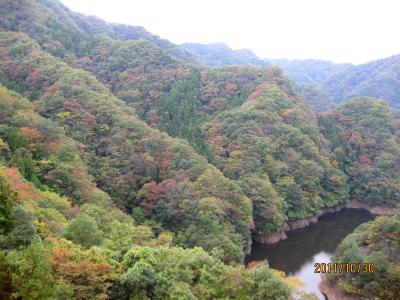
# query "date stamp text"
(343, 268)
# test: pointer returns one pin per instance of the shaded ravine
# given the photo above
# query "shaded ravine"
(297, 254)
(275, 237)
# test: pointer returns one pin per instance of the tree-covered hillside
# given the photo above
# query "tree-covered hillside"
(219, 54)
(136, 165)
(340, 82)
(272, 147)
(309, 71)
(314, 98)
(309, 76)
(364, 135)
(130, 170)
(375, 243)
(134, 66)
(71, 32)
(378, 79)
(81, 245)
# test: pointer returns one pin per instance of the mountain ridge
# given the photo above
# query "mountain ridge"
(219, 54)
(123, 154)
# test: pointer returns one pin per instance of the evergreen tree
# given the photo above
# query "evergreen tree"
(7, 197)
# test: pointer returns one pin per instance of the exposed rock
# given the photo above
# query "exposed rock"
(331, 292)
(271, 238)
(302, 223)
(298, 224)
(375, 210)
(247, 250)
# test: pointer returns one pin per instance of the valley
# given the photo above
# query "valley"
(135, 168)
(314, 244)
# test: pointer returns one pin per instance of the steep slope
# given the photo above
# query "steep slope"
(376, 247)
(309, 71)
(272, 147)
(37, 164)
(309, 76)
(52, 249)
(136, 165)
(314, 98)
(219, 54)
(364, 135)
(379, 79)
(71, 31)
(193, 101)
(136, 70)
(42, 153)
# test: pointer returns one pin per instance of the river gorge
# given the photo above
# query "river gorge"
(315, 243)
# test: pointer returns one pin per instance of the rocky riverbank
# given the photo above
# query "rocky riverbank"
(375, 210)
(331, 292)
(290, 226)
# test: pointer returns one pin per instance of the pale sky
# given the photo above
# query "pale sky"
(353, 31)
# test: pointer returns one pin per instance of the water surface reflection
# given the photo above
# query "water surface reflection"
(297, 254)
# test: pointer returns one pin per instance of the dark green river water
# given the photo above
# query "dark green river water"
(297, 254)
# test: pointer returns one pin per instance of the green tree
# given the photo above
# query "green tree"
(7, 199)
(22, 231)
(83, 230)
(5, 276)
(15, 139)
(180, 113)
(32, 277)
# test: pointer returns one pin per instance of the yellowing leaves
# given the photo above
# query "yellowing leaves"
(63, 115)
(235, 154)
(2, 145)
(104, 127)
(286, 113)
(287, 181)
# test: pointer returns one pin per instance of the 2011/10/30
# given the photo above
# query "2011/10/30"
(343, 267)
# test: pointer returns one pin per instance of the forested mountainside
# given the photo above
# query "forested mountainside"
(54, 248)
(136, 71)
(129, 171)
(322, 83)
(309, 75)
(309, 71)
(272, 147)
(314, 98)
(71, 32)
(379, 79)
(81, 245)
(378, 243)
(364, 136)
(136, 165)
(219, 54)
(340, 82)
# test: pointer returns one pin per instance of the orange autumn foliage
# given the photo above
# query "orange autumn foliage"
(26, 191)
(87, 271)
(33, 134)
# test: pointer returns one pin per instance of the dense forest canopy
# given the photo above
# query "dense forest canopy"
(219, 54)
(364, 135)
(130, 169)
(62, 237)
(378, 243)
(341, 82)
(323, 84)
